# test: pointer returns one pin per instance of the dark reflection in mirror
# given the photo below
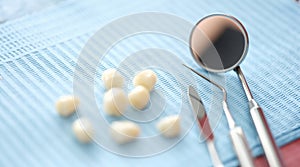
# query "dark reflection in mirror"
(218, 42)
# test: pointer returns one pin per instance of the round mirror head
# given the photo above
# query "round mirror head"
(219, 43)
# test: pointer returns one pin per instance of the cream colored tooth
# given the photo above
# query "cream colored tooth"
(66, 105)
(115, 102)
(139, 97)
(83, 130)
(146, 78)
(169, 126)
(124, 131)
(112, 78)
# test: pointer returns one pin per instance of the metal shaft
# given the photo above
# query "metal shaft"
(244, 83)
(264, 133)
(214, 155)
(228, 115)
(237, 135)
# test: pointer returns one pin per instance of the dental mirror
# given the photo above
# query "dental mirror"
(224, 51)
(226, 35)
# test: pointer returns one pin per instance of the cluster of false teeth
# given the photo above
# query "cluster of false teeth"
(115, 103)
(115, 100)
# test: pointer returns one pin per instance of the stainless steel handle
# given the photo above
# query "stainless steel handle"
(214, 154)
(241, 147)
(262, 128)
(265, 135)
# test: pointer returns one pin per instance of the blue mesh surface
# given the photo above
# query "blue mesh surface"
(38, 54)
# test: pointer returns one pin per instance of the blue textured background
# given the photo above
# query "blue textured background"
(38, 53)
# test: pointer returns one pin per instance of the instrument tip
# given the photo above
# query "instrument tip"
(186, 66)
